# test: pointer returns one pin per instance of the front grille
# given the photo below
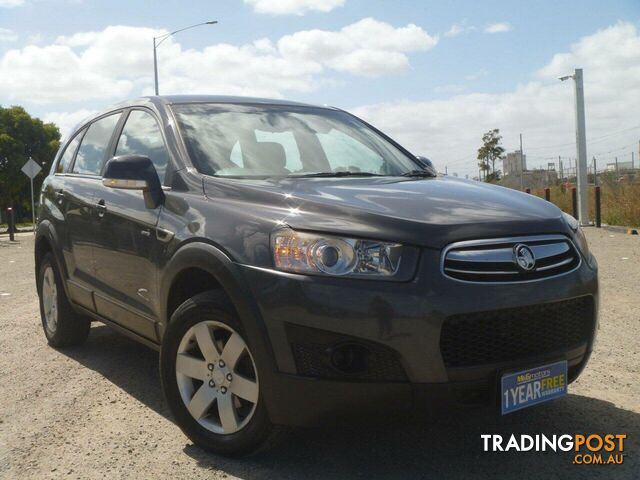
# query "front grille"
(312, 348)
(495, 260)
(503, 335)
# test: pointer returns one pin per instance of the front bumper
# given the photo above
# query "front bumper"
(404, 318)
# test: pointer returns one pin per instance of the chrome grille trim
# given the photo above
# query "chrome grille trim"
(492, 260)
(555, 265)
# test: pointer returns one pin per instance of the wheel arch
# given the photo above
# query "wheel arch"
(47, 241)
(199, 256)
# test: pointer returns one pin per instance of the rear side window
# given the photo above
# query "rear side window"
(141, 136)
(94, 145)
(69, 152)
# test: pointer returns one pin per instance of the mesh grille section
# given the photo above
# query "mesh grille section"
(503, 335)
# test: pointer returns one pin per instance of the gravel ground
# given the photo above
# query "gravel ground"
(97, 411)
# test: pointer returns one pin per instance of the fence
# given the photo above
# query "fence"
(619, 191)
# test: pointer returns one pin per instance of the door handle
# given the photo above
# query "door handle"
(164, 235)
(59, 195)
(101, 207)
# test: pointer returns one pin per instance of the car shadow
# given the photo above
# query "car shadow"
(444, 445)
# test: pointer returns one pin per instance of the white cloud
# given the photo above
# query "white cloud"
(459, 28)
(368, 47)
(500, 27)
(449, 131)
(54, 74)
(67, 120)
(117, 62)
(293, 7)
(455, 30)
(11, 3)
(7, 35)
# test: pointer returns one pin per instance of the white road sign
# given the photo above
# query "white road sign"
(31, 168)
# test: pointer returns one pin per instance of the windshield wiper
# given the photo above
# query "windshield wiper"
(336, 174)
(418, 173)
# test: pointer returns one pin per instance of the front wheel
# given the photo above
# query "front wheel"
(210, 379)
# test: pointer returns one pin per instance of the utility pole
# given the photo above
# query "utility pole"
(581, 147)
(632, 152)
(595, 172)
(561, 169)
(617, 173)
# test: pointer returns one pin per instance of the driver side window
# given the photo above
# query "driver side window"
(141, 136)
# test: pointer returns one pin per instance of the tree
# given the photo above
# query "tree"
(488, 153)
(23, 136)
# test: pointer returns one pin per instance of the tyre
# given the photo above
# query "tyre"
(210, 379)
(62, 325)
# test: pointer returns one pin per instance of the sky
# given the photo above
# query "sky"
(433, 75)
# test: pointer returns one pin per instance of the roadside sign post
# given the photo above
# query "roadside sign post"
(31, 169)
(11, 224)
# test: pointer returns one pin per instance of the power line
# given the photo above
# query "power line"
(593, 140)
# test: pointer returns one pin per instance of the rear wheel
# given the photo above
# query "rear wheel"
(210, 378)
(62, 325)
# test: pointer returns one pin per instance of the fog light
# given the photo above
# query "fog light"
(349, 358)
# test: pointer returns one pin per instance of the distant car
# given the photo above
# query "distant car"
(291, 262)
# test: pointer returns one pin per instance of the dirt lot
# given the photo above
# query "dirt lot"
(97, 411)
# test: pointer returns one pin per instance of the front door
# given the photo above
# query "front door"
(127, 244)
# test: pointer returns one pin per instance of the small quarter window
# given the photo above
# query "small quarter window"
(69, 152)
(94, 145)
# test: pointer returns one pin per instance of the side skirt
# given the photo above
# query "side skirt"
(117, 327)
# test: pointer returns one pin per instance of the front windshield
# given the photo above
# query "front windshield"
(266, 140)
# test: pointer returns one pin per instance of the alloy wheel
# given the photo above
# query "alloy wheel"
(50, 299)
(217, 377)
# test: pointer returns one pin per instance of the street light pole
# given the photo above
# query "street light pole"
(155, 66)
(158, 40)
(581, 147)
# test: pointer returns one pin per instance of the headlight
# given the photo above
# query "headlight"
(300, 252)
(579, 237)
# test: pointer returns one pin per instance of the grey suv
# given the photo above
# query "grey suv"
(291, 263)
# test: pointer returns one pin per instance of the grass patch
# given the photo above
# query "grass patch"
(620, 202)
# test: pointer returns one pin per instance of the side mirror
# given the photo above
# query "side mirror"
(134, 172)
(428, 165)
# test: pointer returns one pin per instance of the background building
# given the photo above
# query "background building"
(514, 162)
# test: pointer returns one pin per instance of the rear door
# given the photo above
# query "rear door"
(127, 244)
(79, 192)
(56, 204)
